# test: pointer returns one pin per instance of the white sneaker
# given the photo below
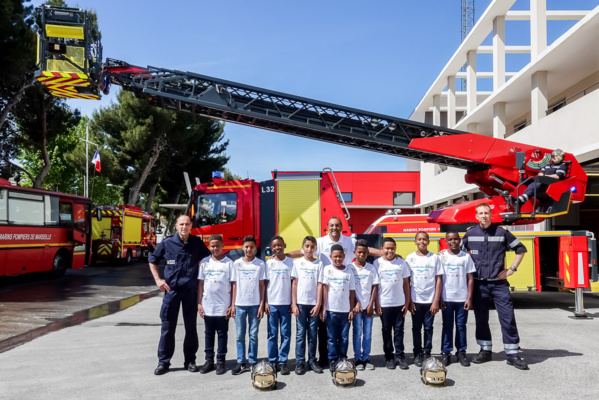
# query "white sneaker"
(368, 365)
(359, 365)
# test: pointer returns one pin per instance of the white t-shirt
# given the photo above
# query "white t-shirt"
(340, 282)
(424, 272)
(217, 277)
(248, 276)
(307, 274)
(455, 281)
(391, 275)
(365, 278)
(278, 273)
(324, 244)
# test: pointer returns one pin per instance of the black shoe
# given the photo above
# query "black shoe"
(463, 359)
(446, 358)
(418, 360)
(390, 363)
(401, 361)
(300, 368)
(191, 367)
(323, 364)
(220, 368)
(316, 368)
(517, 362)
(482, 357)
(331, 366)
(239, 368)
(283, 368)
(161, 369)
(207, 367)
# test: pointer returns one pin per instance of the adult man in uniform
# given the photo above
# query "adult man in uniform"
(182, 253)
(556, 169)
(487, 244)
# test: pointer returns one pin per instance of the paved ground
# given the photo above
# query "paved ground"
(113, 358)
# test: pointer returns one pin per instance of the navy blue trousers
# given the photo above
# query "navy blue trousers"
(217, 325)
(422, 318)
(176, 298)
(486, 292)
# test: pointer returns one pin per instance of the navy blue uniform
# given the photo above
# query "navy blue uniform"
(487, 248)
(539, 188)
(181, 275)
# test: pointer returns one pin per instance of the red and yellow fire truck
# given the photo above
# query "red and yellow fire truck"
(42, 230)
(121, 232)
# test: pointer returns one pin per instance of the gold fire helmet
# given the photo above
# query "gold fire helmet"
(344, 373)
(433, 372)
(264, 376)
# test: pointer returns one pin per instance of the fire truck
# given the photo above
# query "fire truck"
(121, 233)
(500, 168)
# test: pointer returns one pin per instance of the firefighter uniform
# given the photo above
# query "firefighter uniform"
(181, 274)
(539, 188)
(487, 248)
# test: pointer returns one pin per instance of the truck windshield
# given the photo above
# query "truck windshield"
(216, 208)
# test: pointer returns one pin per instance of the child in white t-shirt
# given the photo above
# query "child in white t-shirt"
(249, 273)
(458, 283)
(278, 304)
(367, 285)
(339, 298)
(305, 305)
(427, 285)
(216, 291)
(393, 302)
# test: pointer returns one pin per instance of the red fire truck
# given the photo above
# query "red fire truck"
(42, 230)
(121, 232)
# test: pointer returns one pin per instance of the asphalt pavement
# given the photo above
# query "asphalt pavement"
(113, 357)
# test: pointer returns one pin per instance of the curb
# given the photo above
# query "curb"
(77, 318)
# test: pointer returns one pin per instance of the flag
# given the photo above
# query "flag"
(96, 161)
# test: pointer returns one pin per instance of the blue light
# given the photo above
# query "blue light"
(573, 189)
(217, 175)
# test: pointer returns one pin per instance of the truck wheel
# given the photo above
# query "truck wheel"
(59, 266)
(128, 257)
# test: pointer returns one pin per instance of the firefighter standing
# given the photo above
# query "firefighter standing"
(487, 244)
(182, 253)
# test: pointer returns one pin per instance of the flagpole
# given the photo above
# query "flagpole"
(87, 143)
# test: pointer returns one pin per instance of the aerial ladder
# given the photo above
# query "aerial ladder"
(498, 167)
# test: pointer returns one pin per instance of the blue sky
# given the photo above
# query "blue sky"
(379, 56)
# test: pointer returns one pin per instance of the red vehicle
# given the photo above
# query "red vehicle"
(408, 224)
(121, 232)
(42, 230)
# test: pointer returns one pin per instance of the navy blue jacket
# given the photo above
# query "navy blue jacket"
(487, 248)
(182, 260)
(552, 169)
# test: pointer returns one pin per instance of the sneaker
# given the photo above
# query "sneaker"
(220, 368)
(315, 367)
(239, 368)
(368, 365)
(390, 364)
(418, 360)
(207, 367)
(283, 369)
(517, 362)
(300, 368)
(446, 358)
(482, 357)
(359, 365)
(401, 361)
(463, 359)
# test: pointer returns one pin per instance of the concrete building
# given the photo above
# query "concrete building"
(541, 92)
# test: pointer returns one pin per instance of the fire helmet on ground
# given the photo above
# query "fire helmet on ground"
(344, 373)
(264, 376)
(433, 372)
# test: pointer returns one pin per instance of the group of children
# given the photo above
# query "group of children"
(313, 288)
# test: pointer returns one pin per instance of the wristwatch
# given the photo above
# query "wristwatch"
(513, 268)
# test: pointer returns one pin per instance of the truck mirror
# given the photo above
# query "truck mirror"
(268, 252)
(99, 215)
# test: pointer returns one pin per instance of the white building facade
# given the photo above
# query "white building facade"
(539, 93)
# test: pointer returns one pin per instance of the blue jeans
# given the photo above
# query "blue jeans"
(338, 335)
(306, 325)
(362, 331)
(422, 317)
(454, 311)
(279, 316)
(243, 316)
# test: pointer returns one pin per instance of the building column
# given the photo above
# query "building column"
(499, 52)
(538, 27)
(437, 109)
(471, 81)
(451, 101)
(538, 96)
(499, 120)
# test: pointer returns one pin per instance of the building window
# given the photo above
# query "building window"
(403, 198)
(345, 196)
